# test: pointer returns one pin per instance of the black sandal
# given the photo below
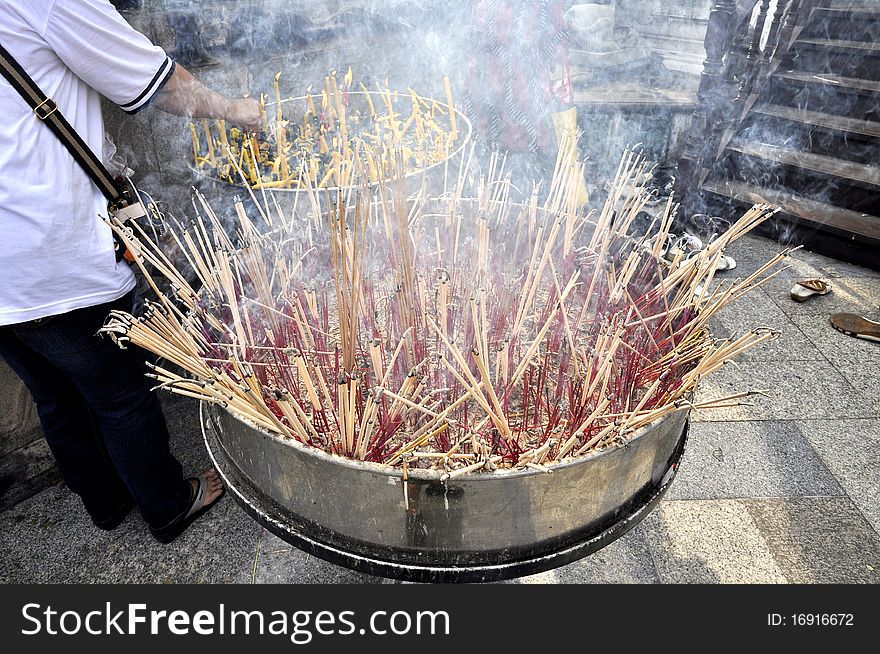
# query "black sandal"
(196, 509)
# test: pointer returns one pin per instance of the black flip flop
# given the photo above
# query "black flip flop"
(167, 534)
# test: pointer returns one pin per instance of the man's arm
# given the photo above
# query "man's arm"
(103, 50)
(184, 95)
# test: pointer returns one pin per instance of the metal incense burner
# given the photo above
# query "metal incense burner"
(418, 525)
(482, 526)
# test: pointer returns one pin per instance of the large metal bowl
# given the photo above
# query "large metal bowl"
(477, 527)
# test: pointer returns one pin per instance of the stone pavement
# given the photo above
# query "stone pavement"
(785, 490)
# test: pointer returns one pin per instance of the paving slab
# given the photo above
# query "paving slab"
(50, 539)
(818, 539)
(795, 390)
(851, 451)
(627, 560)
(279, 562)
(838, 348)
(756, 310)
(856, 359)
(751, 252)
(709, 541)
(750, 459)
(182, 417)
(863, 374)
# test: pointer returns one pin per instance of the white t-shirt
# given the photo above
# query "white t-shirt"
(56, 254)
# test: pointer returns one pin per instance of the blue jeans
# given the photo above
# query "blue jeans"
(101, 421)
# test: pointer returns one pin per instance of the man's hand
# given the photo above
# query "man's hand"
(245, 113)
(184, 95)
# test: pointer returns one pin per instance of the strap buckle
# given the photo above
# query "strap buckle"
(45, 109)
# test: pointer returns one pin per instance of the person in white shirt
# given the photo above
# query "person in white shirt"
(59, 277)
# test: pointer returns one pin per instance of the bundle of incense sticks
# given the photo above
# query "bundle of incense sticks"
(324, 140)
(466, 332)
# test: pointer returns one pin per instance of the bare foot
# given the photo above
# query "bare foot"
(210, 492)
(206, 490)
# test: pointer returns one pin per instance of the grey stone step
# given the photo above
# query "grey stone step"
(661, 43)
(690, 65)
(811, 211)
(819, 119)
(855, 47)
(673, 26)
(836, 11)
(851, 83)
(830, 166)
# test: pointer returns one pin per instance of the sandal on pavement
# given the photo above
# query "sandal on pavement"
(855, 325)
(197, 508)
(807, 288)
(726, 262)
(680, 248)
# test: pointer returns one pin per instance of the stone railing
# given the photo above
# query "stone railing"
(745, 43)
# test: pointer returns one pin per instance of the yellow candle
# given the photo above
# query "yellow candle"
(374, 176)
(452, 125)
(252, 172)
(221, 124)
(210, 140)
(285, 166)
(324, 181)
(278, 96)
(369, 100)
(195, 138)
(255, 149)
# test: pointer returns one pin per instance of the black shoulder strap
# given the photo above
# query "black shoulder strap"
(46, 110)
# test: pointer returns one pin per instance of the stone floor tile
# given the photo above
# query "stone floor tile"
(757, 310)
(279, 562)
(709, 541)
(851, 450)
(750, 459)
(837, 347)
(818, 539)
(627, 560)
(795, 390)
(50, 539)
